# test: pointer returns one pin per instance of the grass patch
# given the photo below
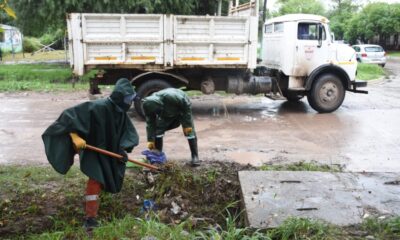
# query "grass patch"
(394, 53)
(369, 71)
(387, 228)
(193, 93)
(38, 57)
(302, 166)
(40, 77)
(300, 228)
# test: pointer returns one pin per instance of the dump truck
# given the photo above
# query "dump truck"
(298, 54)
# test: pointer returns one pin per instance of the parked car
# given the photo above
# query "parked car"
(368, 53)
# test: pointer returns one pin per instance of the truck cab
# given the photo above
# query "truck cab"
(300, 50)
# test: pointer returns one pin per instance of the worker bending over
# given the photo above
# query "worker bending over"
(165, 110)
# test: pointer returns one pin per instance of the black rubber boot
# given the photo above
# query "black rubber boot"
(158, 143)
(193, 149)
(90, 223)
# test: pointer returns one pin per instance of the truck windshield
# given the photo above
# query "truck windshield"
(309, 31)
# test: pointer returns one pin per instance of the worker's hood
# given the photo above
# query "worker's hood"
(123, 94)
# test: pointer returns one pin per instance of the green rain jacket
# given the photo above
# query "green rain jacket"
(165, 110)
(102, 123)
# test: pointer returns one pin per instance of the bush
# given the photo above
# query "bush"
(51, 36)
(31, 44)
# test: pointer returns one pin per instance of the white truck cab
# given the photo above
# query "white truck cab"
(301, 48)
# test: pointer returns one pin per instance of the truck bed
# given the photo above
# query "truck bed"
(160, 42)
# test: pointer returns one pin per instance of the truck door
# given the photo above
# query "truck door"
(310, 53)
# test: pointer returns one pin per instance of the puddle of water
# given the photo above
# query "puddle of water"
(254, 158)
(249, 119)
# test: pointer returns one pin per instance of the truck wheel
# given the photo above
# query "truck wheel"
(292, 96)
(146, 89)
(326, 94)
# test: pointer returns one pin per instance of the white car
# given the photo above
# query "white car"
(368, 53)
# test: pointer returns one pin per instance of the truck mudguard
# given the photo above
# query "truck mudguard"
(332, 69)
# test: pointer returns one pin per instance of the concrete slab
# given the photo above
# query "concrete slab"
(343, 199)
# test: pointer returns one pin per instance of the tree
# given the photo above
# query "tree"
(375, 19)
(300, 6)
(7, 10)
(340, 16)
(4, 7)
(41, 16)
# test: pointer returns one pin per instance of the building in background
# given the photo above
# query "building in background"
(10, 39)
(391, 42)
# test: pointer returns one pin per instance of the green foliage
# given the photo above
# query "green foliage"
(302, 166)
(230, 231)
(375, 19)
(41, 16)
(340, 16)
(299, 228)
(4, 7)
(382, 228)
(153, 228)
(367, 71)
(31, 44)
(51, 36)
(394, 54)
(300, 6)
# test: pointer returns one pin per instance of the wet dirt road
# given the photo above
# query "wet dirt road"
(362, 135)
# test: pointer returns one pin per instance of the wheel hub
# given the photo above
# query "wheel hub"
(328, 92)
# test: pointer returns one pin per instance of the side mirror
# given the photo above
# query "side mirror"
(320, 35)
(333, 37)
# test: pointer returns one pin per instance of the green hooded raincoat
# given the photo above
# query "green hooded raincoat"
(102, 123)
(165, 110)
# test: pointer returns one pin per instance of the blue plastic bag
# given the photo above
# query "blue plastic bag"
(148, 205)
(155, 157)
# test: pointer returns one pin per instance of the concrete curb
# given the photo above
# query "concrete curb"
(376, 81)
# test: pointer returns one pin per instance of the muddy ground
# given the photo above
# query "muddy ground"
(201, 196)
(362, 135)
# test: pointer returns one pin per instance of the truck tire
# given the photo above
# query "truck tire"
(326, 94)
(292, 96)
(146, 89)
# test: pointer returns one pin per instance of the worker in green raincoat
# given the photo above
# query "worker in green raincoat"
(165, 110)
(103, 123)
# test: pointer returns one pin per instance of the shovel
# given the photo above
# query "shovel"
(111, 154)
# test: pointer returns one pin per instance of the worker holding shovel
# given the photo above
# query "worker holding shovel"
(165, 110)
(105, 124)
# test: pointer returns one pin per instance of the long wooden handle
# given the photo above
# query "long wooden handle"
(111, 154)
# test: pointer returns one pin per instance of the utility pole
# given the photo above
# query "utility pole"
(219, 7)
(264, 10)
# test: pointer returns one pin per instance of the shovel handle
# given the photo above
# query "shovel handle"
(114, 155)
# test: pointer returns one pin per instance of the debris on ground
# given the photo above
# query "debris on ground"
(176, 194)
